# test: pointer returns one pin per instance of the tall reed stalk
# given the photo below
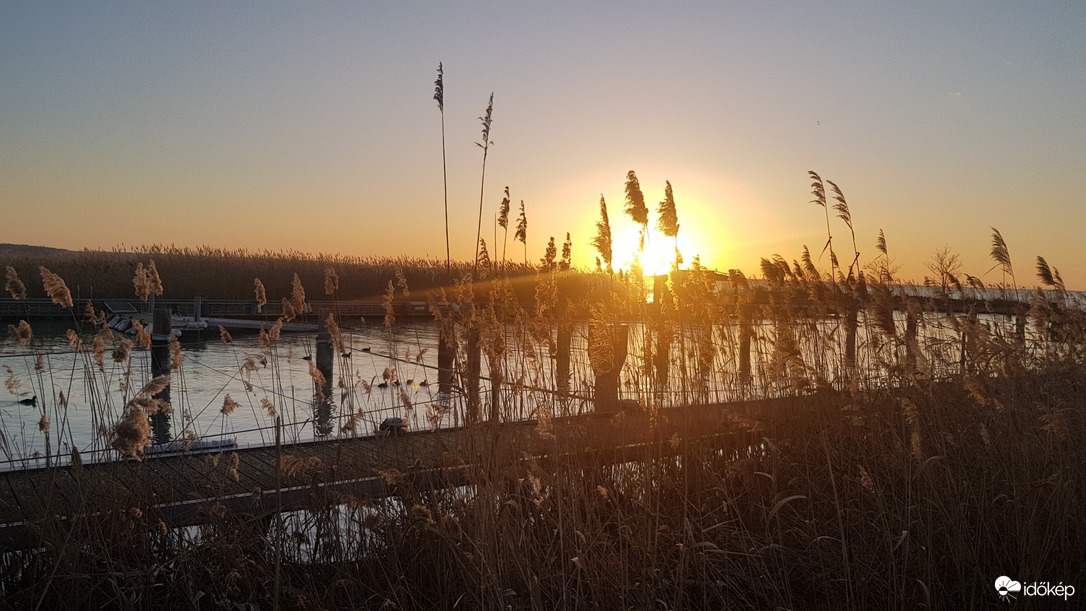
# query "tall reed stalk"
(439, 96)
(485, 145)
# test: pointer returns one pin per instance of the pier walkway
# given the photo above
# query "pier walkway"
(181, 489)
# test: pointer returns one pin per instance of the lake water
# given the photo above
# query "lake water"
(255, 377)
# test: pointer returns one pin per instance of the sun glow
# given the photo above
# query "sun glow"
(658, 256)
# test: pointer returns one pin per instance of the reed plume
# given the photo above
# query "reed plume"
(21, 333)
(121, 352)
(228, 405)
(176, 357)
(319, 382)
(602, 241)
(1002, 256)
(156, 385)
(841, 207)
(335, 333)
(141, 282)
(268, 406)
(522, 230)
(143, 338)
(503, 221)
(482, 260)
(99, 349)
(550, 255)
(260, 293)
(224, 335)
(132, 433)
(331, 281)
(289, 313)
(55, 288)
(297, 294)
(636, 208)
(1049, 276)
(567, 254)
(818, 190)
(13, 285)
(153, 278)
(11, 382)
(667, 218)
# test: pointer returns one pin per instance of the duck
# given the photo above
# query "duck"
(366, 349)
(32, 401)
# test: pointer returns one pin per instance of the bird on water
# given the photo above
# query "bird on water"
(31, 401)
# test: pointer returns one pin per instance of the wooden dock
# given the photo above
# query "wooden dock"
(180, 490)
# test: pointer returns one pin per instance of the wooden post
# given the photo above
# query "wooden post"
(661, 356)
(746, 314)
(322, 394)
(565, 342)
(475, 365)
(446, 356)
(160, 366)
(496, 378)
(1021, 315)
(911, 347)
(852, 310)
(607, 370)
(197, 307)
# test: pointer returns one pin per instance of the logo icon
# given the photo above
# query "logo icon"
(1006, 587)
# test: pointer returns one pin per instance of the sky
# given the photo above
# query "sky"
(312, 126)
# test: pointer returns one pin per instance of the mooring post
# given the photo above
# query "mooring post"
(607, 370)
(852, 310)
(911, 347)
(563, 347)
(1021, 315)
(475, 365)
(197, 306)
(562, 371)
(160, 366)
(661, 356)
(322, 387)
(496, 379)
(746, 315)
(446, 356)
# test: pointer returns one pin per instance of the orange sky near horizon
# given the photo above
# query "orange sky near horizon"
(313, 128)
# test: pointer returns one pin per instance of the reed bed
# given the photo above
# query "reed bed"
(932, 442)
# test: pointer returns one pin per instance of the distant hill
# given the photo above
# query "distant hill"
(25, 250)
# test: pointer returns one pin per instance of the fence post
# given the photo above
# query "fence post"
(661, 356)
(322, 394)
(911, 322)
(160, 366)
(612, 339)
(852, 310)
(565, 343)
(446, 356)
(475, 364)
(746, 314)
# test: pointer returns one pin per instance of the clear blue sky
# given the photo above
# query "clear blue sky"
(312, 126)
